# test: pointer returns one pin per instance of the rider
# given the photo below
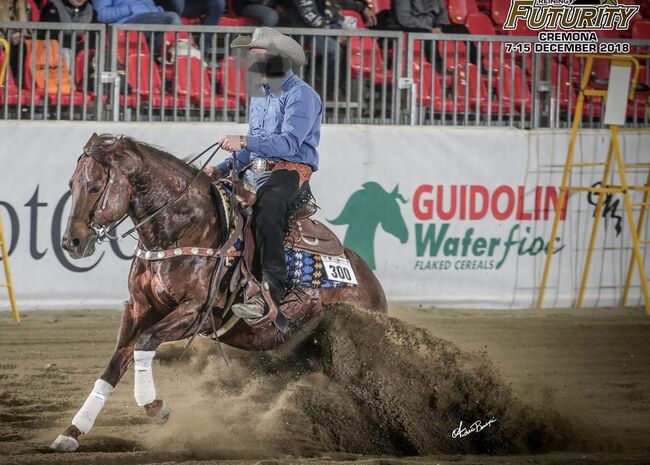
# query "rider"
(280, 147)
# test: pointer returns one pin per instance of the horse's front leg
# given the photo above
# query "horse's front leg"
(131, 326)
(179, 324)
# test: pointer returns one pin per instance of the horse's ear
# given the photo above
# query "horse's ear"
(396, 195)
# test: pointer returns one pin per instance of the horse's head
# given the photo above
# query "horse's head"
(101, 193)
(374, 206)
(391, 219)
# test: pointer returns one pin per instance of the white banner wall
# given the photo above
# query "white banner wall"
(456, 217)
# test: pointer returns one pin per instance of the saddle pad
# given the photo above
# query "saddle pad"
(306, 269)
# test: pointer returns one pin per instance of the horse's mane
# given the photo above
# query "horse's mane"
(149, 152)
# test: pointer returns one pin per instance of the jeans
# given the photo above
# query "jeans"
(166, 17)
(266, 15)
(212, 9)
(270, 213)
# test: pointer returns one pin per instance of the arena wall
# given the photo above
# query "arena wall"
(482, 245)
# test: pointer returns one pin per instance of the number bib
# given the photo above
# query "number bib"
(339, 269)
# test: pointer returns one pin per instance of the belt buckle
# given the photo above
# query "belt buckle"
(259, 165)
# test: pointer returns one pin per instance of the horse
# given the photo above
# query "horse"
(366, 209)
(119, 176)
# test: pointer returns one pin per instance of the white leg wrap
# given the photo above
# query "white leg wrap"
(144, 390)
(86, 416)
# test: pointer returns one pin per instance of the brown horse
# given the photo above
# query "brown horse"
(119, 176)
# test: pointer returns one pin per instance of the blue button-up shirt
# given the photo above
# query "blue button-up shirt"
(283, 127)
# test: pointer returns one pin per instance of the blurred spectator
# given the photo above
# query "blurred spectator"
(136, 12)
(133, 11)
(264, 11)
(68, 11)
(423, 16)
(212, 9)
(15, 10)
(324, 14)
(415, 16)
(364, 8)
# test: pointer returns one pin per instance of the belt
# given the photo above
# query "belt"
(260, 165)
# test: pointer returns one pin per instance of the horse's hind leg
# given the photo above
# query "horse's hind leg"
(85, 418)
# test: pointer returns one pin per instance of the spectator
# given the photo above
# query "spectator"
(416, 16)
(68, 11)
(133, 11)
(423, 16)
(264, 11)
(212, 9)
(15, 10)
(364, 8)
(136, 12)
(324, 14)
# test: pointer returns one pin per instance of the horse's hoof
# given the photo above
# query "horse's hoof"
(64, 444)
(158, 411)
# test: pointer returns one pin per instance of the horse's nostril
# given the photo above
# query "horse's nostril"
(75, 242)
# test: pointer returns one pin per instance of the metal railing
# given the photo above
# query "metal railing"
(54, 71)
(481, 80)
(348, 68)
(140, 72)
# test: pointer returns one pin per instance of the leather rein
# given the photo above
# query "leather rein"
(104, 232)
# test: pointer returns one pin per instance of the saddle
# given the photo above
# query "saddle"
(303, 232)
(236, 200)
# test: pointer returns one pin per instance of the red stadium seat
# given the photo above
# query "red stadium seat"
(14, 97)
(36, 11)
(561, 82)
(381, 5)
(358, 18)
(459, 9)
(500, 11)
(232, 77)
(361, 61)
(479, 23)
(51, 76)
(514, 89)
(522, 29)
(232, 19)
(198, 88)
(128, 43)
(468, 79)
(641, 29)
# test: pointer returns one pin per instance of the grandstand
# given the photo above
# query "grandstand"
(381, 77)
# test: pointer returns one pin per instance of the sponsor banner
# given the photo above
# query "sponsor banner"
(455, 217)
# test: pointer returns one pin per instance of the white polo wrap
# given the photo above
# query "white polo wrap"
(144, 390)
(86, 416)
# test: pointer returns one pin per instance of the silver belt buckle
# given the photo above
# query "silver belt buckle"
(259, 165)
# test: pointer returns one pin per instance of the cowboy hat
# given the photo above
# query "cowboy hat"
(270, 39)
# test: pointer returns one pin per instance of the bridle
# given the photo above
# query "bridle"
(103, 233)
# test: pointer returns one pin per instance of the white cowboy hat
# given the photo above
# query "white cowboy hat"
(270, 39)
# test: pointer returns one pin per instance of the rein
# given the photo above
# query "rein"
(104, 233)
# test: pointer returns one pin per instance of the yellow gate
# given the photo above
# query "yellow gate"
(614, 156)
(5, 262)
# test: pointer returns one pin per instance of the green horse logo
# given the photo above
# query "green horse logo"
(366, 209)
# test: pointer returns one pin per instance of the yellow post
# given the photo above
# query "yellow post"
(577, 118)
(594, 227)
(639, 229)
(3, 66)
(636, 251)
(5, 262)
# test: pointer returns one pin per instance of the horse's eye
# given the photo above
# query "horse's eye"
(94, 189)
